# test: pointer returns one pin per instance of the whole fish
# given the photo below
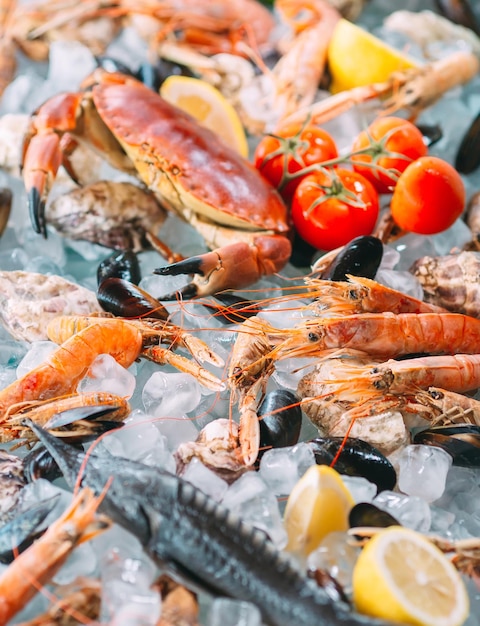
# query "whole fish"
(202, 541)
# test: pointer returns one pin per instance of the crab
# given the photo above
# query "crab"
(192, 172)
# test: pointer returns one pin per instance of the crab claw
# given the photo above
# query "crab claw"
(40, 166)
(233, 266)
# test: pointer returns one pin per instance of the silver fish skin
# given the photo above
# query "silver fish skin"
(204, 542)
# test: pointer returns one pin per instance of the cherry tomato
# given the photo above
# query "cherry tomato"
(429, 196)
(394, 143)
(300, 147)
(330, 208)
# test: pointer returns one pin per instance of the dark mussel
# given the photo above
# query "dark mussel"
(461, 441)
(124, 299)
(302, 252)
(153, 75)
(39, 463)
(459, 12)
(367, 514)
(110, 64)
(361, 257)
(468, 155)
(280, 419)
(432, 133)
(120, 264)
(357, 458)
(233, 310)
(6, 198)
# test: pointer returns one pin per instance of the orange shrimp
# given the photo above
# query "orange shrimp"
(363, 295)
(35, 567)
(381, 335)
(63, 369)
(41, 413)
(8, 61)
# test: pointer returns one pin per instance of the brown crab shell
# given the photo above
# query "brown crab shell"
(186, 165)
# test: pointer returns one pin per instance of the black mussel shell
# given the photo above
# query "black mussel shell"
(233, 310)
(432, 133)
(109, 64)
(120, 264)
(361, 257)
(468, 155)
(459, 12)
(367, 514)
(39, 463)
(461, 441)
(280, 419)
(150, 76)
(124, 299)
(6, 198)
(357, 458)
(161, 71)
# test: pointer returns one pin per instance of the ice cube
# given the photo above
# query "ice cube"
(37, 354)
(229, 612)
(423, 471)
(362, 490)
(171, 394)
(205, 479)
(106, 374)
(337, 556)
(410, 511)
(281, 468)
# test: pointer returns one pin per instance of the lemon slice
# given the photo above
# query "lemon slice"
(402, 577)
(208, 106)
(356, 58)
(318, 505)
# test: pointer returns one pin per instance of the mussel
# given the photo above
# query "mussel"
(357, 458)
(124, 299)
(110, 64)
(361, 257)
(459, 12)
(432, 133)
(120, 264)
(280, 419)
(6, 198)
(367, 514)
(153, 75)
(468, 155)
(461, 441)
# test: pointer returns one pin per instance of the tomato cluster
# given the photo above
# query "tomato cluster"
(331, 205)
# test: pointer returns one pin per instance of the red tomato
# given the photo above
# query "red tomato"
(330, 208)
(387, 136)
(300, 148)
(429, 196)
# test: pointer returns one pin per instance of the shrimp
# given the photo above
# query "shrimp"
(363, 295)
(381, 335)
(74, 410)
(35, 566)
(298, 73)
(83, 339)
(410, 90)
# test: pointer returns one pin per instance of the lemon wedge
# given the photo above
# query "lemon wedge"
(356, 58)
(208, 106)
(318, 505)
(401, 576)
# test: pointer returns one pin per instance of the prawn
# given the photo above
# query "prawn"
(411, 90)
(363, 295)
(35, 566)
(84, 338)
(44, 412)
(381, 335)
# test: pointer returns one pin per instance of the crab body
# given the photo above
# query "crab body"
(187, 166)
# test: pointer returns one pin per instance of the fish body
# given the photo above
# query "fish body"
(203, 541)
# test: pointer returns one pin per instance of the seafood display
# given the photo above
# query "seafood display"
(203, 414)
